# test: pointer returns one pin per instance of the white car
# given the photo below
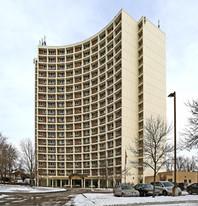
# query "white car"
(125, 191)
(166, 187)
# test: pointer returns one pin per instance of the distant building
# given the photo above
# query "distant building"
(92, 98)
(187, 177)
(19, 175)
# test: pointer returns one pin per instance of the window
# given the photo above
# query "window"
(87, 140)
(61, 149)
(51, 164)
(110, 135)
(102, 112)
(51, 126)
(102, 120)
(51, 134)
(102, 104)
(51, 141)
(77, 134)
(61, 119)
(61, 126)
(61, 142)
(61, 134)
(86, 109)
(87, 116)
(51, 149)
(87, 132)
(61, 112)
(51, 119)
(62, 104)
(40, 164)
(40, 148)
(87, 156)
(40, 119)
(102, 138)
(51, 97)
(51, 104)
(102, 129)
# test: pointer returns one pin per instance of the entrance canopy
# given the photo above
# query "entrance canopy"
(76, 177)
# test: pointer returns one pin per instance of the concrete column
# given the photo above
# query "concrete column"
(91, 183)
(61, 183)
(98, 183)
(37, 182)
(84, 183)
(52, 183)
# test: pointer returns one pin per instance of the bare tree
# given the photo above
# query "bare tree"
(28, 157)
(183, 164)
(169, 163)
(3, 143)
(103, 165)
(154, 146)
(109, 174)
(190, 164)
(123, 173)
(180, 163)
(8, 156)
(190, 133)
(11, 158)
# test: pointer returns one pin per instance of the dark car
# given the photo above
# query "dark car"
(182, 185)
(146, 190)
(192, 188)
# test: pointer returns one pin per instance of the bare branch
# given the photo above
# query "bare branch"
(154, 145)
(190, 133)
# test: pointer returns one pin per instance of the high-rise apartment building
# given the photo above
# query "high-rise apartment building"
(92, 98)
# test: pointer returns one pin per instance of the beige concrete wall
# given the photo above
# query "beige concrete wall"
(154, 81)
(154, 74)
(189, 177)
(129, 90)
(154, 60)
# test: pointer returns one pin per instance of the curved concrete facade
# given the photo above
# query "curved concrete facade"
(89, 100)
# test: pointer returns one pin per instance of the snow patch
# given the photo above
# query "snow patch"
(90, 199)
(27, 189)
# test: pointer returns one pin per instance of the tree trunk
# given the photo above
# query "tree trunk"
(154, 184)
(31, 181)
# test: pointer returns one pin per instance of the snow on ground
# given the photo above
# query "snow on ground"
(89, 199)
(27, 189)
(2, 196)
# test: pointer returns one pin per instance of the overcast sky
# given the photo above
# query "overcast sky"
(24, 22)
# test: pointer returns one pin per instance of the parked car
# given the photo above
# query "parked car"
(166, 187)
(182, 185)
(125, 191)
(192, 188)
(146, 190)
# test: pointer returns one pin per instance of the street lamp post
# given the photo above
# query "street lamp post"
(175, 189)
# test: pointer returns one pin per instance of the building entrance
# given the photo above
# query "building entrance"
(76, 183)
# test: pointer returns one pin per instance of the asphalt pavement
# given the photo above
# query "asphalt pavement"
(42, 199)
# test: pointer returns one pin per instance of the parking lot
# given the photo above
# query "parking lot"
(55, 198)
(87, 197)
